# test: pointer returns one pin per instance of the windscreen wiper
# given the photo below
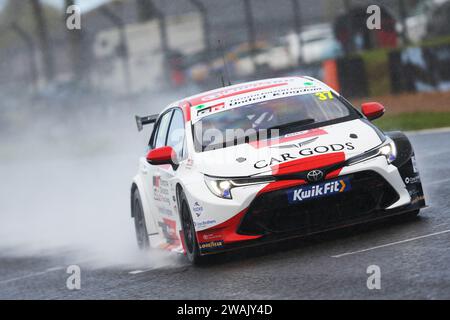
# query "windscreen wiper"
(293, 124)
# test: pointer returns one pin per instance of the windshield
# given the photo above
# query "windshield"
(269, 119)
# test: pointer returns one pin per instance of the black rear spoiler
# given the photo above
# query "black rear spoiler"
(142, 121)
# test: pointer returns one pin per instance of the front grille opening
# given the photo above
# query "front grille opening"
(271, 212)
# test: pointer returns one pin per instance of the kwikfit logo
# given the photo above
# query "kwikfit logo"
(319, 190)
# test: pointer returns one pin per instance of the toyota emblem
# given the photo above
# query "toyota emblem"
(314, 175)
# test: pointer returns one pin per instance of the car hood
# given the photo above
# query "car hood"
(321, 146)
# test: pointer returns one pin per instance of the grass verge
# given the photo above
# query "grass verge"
(414, 121)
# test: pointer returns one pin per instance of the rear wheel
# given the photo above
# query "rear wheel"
(190, 238)
(139, 223)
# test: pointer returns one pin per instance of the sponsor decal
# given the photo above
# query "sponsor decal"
(168, 227)
(310, 192)
(205, 223)
(197, 208)
(165, 211)
(161, 190)
(211, 245)
(246, 88)
(412, 180)
(416, 195)
(413, 193)
(189, 163)
(214, 108)
(212, 236)
(305, 152)
(164, 184)
(156, 181)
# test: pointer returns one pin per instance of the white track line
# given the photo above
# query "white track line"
(35, 274)
(135, 272)
(140, 271)
(390, 244)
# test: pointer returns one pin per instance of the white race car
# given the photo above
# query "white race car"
(264, 161)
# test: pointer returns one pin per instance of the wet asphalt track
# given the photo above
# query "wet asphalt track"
(413, 255)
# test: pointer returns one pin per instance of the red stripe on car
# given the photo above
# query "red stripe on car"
(292, 137)
(333, 174)
(182, 241)
(278, 185)
(226, 231)
(186, 107)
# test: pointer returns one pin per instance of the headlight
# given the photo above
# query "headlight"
(221, 187)
(387, 149)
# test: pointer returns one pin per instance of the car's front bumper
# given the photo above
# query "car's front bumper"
(378, 191)
(277, 237)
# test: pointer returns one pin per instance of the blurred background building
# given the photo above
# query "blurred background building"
(134, 47)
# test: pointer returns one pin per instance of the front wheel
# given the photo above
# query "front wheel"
(142, 238)
(190, 238)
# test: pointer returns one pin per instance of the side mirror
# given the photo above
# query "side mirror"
(372, 110)
(163, 155)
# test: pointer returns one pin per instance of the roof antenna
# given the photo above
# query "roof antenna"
(222, 80)
(225, 66)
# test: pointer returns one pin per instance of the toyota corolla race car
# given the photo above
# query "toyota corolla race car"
(265, 161)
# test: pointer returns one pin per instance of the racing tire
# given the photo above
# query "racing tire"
(142, 238)
(188, 230)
